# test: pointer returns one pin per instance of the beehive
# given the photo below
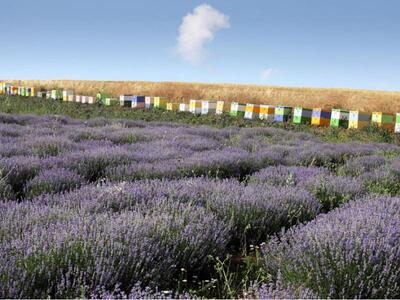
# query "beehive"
(195, 106)
(160, 102)
(397, 126)
(208, 107)
(302, 115)
(339, 118)
(183, 107)
(251, 111)
(320, 117)
(1, 88)
(91, 100)
(48, 95)
(282, 113)
(111, 102)
(56, 95)
(67, 93)
(137, 102)
(84, 99)
(383, 120)
(70, 98)
(41, 94)
(32, 92)
(237, 109)
(148, 102)
(172, 106)
(14, 90)
(78, 98)
(358, 119)
(19, 93)
(219, 110)
(125, 100)
(28, 91)
(267, 112)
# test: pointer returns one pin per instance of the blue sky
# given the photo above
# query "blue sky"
(317, 43)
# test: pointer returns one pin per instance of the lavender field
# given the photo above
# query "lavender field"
(122, 208)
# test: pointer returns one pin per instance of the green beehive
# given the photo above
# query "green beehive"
(282, 113)
(111, 102)
(339, 118)
(237, 109)
(302, 115)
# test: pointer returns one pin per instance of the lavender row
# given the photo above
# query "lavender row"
(104, 237)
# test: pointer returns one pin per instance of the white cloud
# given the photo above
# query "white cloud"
(197, 28)
(265, 74)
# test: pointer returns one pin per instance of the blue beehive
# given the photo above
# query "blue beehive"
(138, 101)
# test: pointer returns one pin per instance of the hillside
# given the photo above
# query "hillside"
(363, 100)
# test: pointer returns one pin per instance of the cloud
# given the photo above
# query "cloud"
(265, 74)
(197, 28)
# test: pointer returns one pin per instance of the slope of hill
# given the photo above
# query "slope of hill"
(363, 100)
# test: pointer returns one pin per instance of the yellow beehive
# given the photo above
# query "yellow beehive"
(220, 107)
(383, 120)
(267, 112)
(195, 106)
(358, 119)
(172, 106)
(33, 91)
(252, 111)
(160, 102)
(1, 87)
(67, 93)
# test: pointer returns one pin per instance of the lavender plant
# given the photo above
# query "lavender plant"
(352, 252)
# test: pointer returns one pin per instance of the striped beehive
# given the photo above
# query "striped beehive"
(251, 111)
(282, 113)
(91, 100)
(160, 102)
(267, 112)
(397, 126)
(78, 98)
(237, 109)
(339, 118)
(195, 106)
(383, 120)
(208, 107)
(172, 106)
(302, 115)
(67, 93)
(125, 100)
(137, 101)
(148, 102)
(320, 117)
(358, 119)
(70, 98)
(183, 107)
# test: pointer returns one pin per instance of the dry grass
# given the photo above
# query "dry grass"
(363, 100)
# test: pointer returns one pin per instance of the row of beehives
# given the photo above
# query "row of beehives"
(297, 115)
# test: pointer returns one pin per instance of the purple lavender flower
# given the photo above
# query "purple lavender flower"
(351, 252)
